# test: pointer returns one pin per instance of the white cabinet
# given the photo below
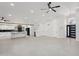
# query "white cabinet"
(5, 35)
(7, 26)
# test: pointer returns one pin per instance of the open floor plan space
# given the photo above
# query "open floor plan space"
(39, 28)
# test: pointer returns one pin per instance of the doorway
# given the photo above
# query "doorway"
(28, 31)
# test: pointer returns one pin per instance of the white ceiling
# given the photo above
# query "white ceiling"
(29, 12)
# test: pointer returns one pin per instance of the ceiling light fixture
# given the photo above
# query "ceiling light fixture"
(10, 15)
(49, 9)
(32, 11)
(12, 4)
(43, 15)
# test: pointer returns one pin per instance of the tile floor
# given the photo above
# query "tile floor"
(39, 46)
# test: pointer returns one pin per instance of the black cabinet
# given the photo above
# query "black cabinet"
(28, 31)
(71, 31)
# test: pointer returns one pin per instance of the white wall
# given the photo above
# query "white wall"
(77, 26)
(54, 28)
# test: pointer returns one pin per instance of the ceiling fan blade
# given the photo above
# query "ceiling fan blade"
(2, 18)
(53, 10)
(55, 6)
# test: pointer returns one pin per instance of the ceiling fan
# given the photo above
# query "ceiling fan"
(50, 7)
(3, 19)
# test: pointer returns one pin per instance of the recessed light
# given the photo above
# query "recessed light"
(43, 15)
(32, 11)
(10, 15)
(12, 4)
